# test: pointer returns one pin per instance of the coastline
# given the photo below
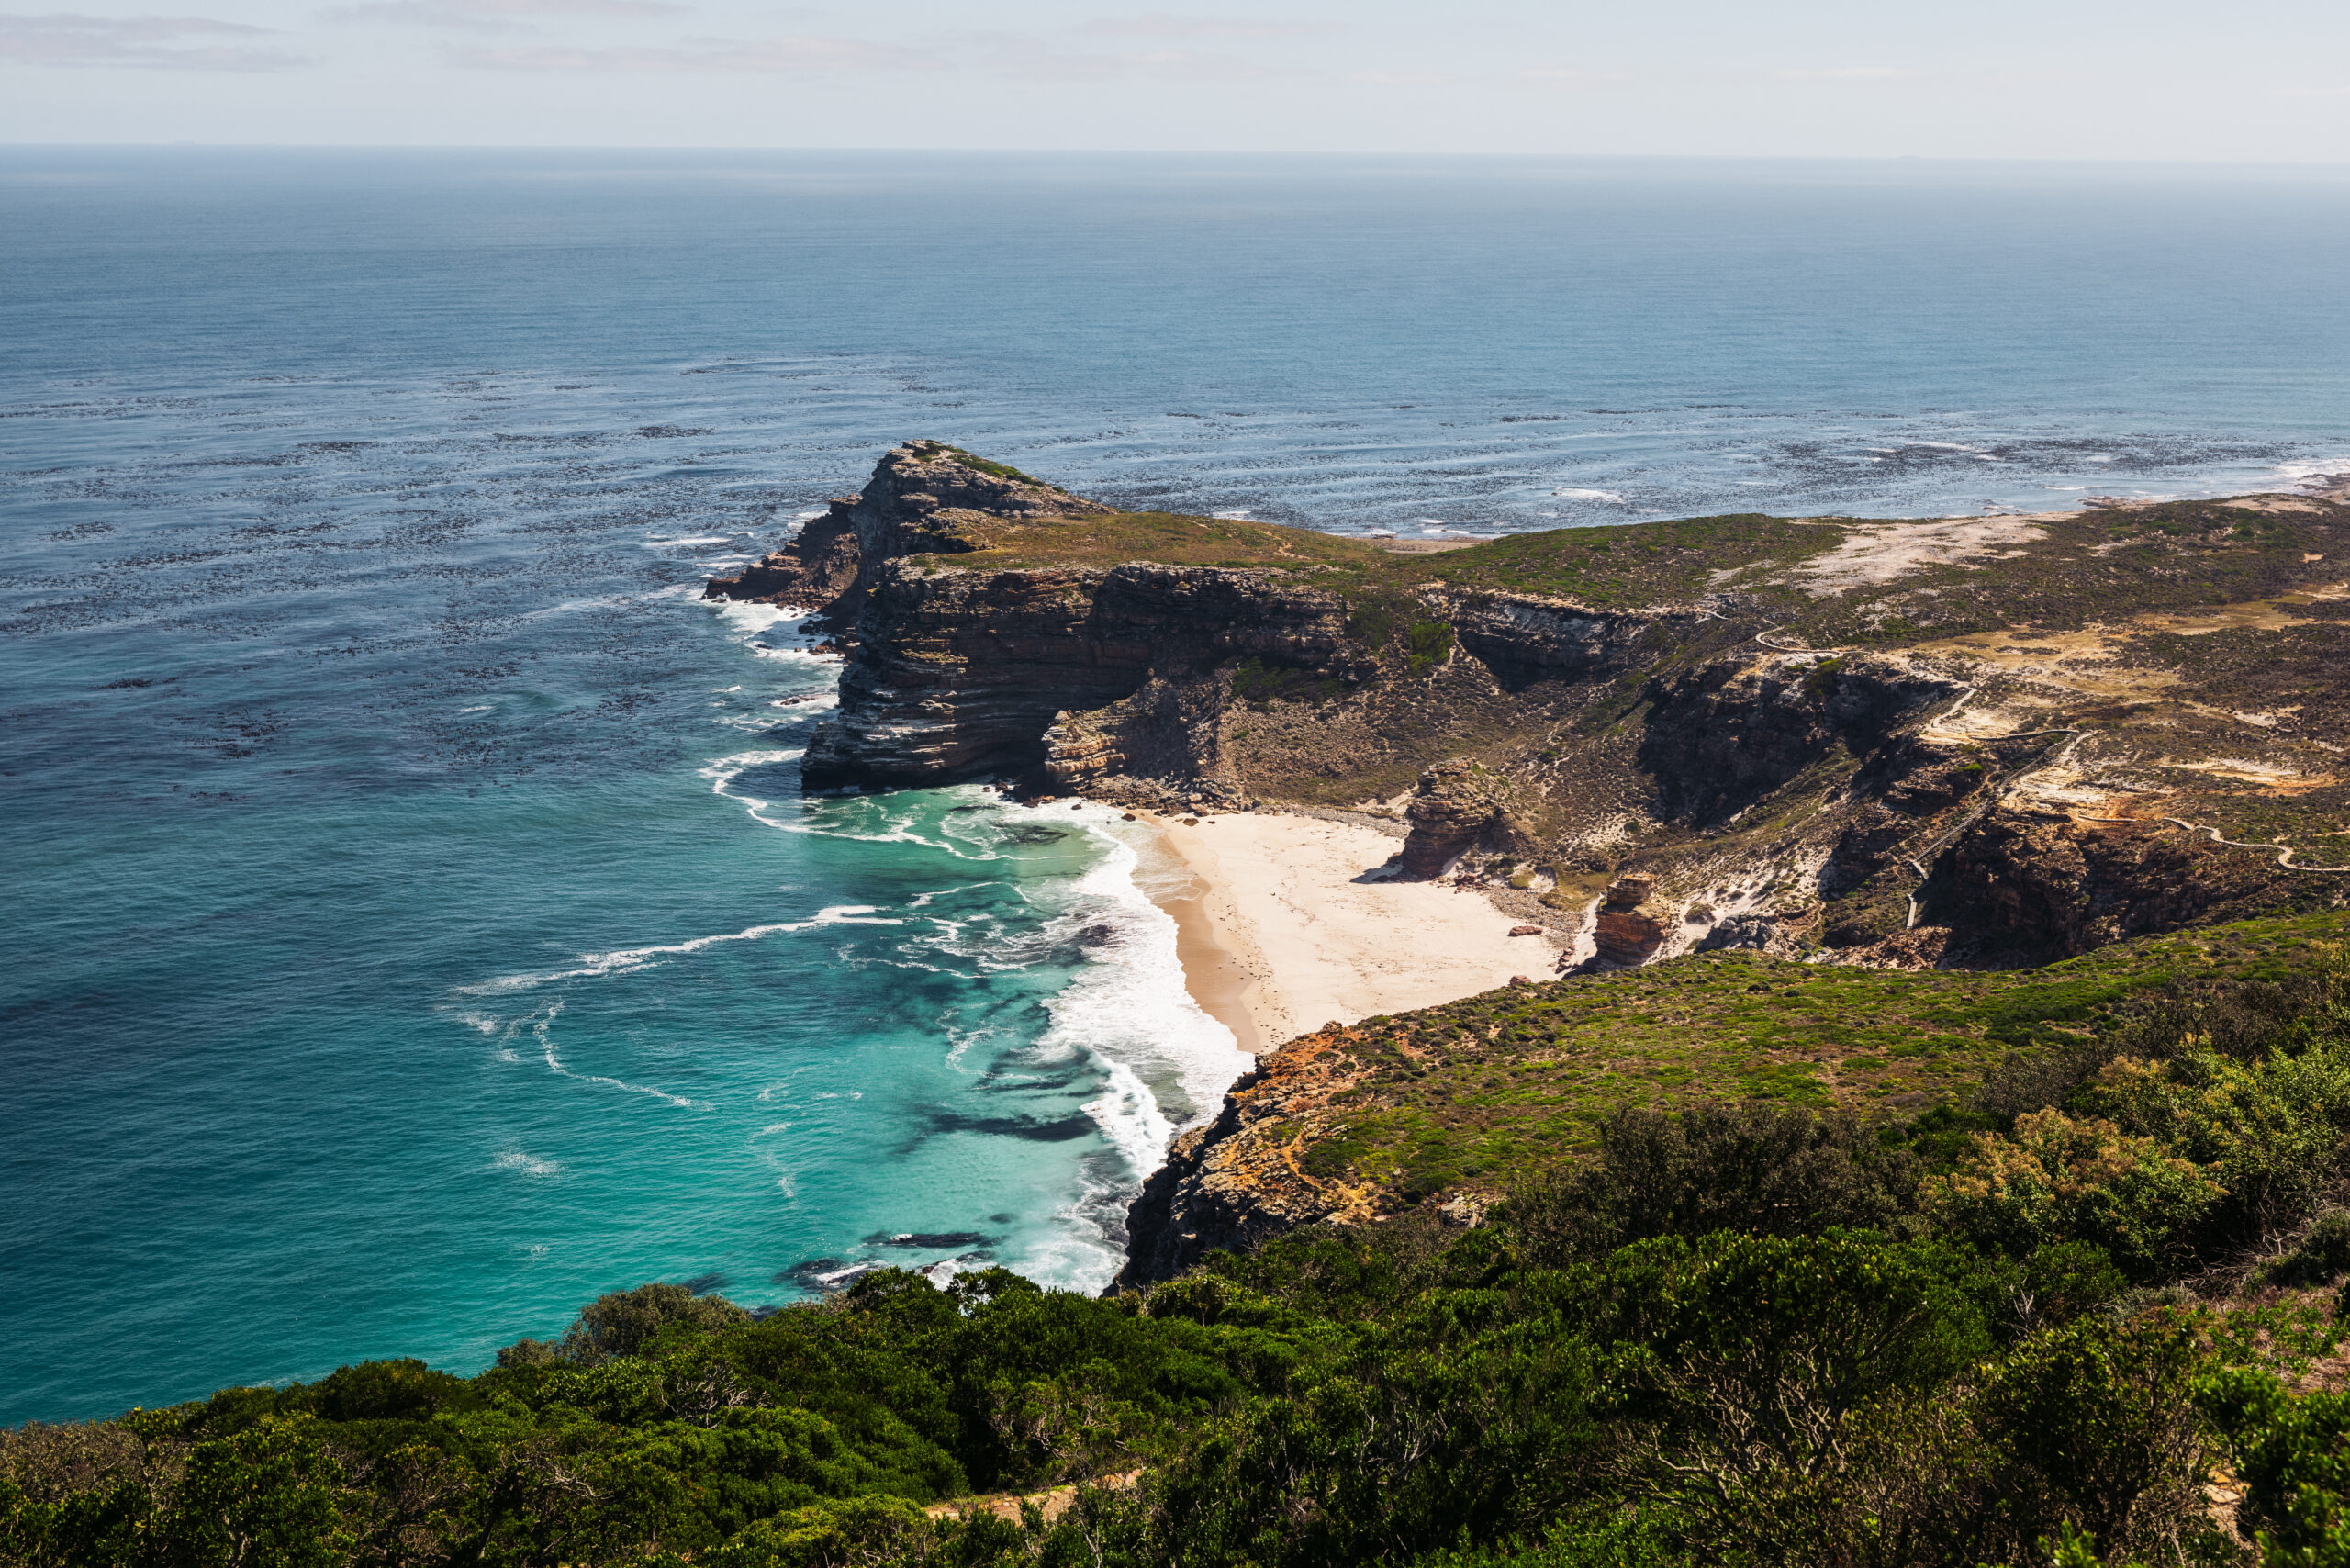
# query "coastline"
(1282, 927)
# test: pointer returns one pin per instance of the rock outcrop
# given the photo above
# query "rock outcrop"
(2030, 882)
(964, 674)
(924, 499)
(1459, 808)
(1526, 638)
(811, 572)
(1235, 1182)
(1727, 733)
(1630, 926)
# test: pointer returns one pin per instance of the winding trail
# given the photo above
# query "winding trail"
(2284, 851)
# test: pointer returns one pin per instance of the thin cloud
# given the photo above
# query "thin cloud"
(1847, 74)
(67, 39)
(493, 16)
(776, 56)
(1040, 64)
(1162, 25)
(1573, 76)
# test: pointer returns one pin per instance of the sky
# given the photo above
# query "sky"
(2257, 81)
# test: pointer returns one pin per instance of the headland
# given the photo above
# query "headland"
(1845, 762)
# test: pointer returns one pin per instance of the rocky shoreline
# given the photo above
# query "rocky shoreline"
(1921, 746)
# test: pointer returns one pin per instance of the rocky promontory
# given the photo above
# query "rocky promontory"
(1963, 746)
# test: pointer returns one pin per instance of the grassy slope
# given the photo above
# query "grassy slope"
(1626, 567)
(1475, 1092)
(2098, 563)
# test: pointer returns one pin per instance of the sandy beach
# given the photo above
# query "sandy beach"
(1280, 932)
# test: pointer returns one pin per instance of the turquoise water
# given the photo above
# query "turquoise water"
(416, 926)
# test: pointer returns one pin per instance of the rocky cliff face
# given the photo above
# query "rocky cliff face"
(1723, 735)
(1739, 736)
(1236, 1181)
(964, 674)
(812, 572)
(1526, 638)
(924, 499)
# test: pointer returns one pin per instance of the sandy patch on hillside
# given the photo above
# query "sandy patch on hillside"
(1880, 553)
(1280, 935)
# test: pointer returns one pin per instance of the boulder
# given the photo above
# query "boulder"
(1631, 926)
(1459, 807)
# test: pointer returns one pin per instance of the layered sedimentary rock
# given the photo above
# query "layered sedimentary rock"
(1726, 734)
(1524, 638)
(963, 675)
(812, 572)
(924, 499)
(1630, 925)
(2033, 881)
(1461, 808)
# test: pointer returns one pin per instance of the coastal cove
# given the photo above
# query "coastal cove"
(424, 925)
(1690, 747)
(1305, 922)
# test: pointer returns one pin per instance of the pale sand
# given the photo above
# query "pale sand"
(1278, 934)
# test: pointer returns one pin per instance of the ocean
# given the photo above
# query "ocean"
(415, 927)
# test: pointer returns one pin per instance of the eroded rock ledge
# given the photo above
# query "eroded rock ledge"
(1932, 746)
(1796, 733)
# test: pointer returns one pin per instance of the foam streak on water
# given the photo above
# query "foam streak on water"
(417, 925)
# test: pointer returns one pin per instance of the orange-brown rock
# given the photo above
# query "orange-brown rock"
(1630, 925)
(1237, 1180)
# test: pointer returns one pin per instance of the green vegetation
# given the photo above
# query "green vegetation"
(1743, 1334)
(1430, 642)
(2062, 572)
(929, 452)
(1478, 1092)
(1258, 684)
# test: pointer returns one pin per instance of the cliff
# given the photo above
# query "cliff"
(1945, 745)
(1975, 740)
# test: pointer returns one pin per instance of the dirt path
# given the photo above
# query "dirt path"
(1052, 1503)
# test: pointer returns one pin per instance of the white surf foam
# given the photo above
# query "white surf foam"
(612, 601)
(627, 960)
(1575, 494)
(2315, 476)
(544, 1028)
(1164, 1061)
(750, 620)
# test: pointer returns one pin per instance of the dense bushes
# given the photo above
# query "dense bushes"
(1755, 1167)
(1743, 1336)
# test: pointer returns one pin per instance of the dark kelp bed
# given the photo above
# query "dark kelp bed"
(2096, 1317)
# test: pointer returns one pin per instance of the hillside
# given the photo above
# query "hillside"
(1456, 1106)
(1977, 741)
(2107, 1329)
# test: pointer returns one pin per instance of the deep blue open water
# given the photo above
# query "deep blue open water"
(413, 926)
